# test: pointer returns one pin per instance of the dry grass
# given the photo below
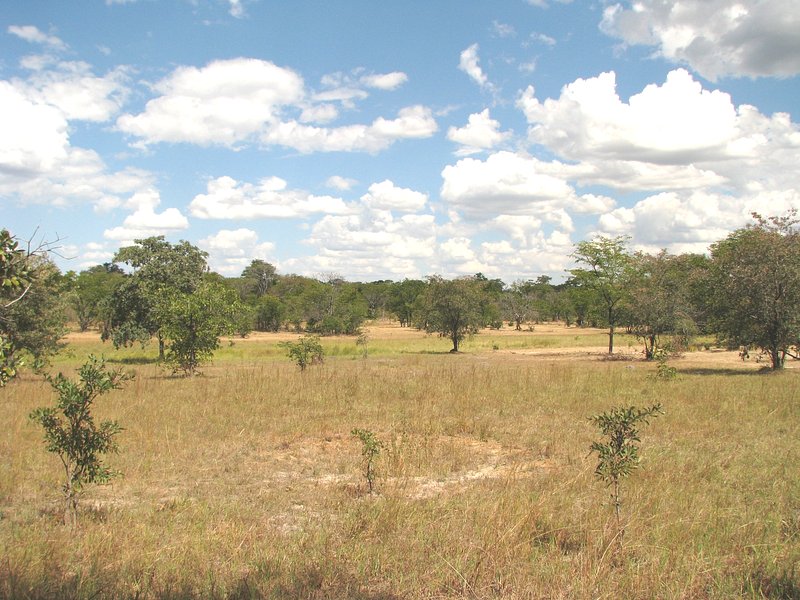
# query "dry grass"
(246, 483)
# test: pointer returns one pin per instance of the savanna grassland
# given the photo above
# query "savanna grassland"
(246, 482)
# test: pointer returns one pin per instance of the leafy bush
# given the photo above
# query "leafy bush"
(305, 351)
(370, 449)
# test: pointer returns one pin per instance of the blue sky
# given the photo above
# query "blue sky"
(395, 139)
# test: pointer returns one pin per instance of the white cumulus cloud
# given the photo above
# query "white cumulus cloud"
(145, 221)
(227, 198)
(480, 133)
(505, 183)
(387, 196)
(225, 102)
(716, 38)
(231, 250)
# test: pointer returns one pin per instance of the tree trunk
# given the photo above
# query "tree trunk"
(611, 339)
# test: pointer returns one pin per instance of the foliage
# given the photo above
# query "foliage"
(362, 342)
(260, 276)
(192, 324)
(660, 303)
(370, 449)
(14, 268)
(306, 351)
(269, 313)
(452, 308)
(71, 433)
(159, 270)
(755, 278)
(618, 454)
(14, 283)
(90, 292)
(34, 325)
(663, 370)
(402, 299)
(607, 275)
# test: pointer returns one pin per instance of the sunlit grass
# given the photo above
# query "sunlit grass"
(246, 482)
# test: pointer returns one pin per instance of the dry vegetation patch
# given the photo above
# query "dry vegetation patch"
(247, 483)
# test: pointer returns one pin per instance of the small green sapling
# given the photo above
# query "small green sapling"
(71, 433)
(370, 449)
(618, 453)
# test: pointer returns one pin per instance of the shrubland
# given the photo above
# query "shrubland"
(246, 482)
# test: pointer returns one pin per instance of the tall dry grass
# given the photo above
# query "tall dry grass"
(246, 482)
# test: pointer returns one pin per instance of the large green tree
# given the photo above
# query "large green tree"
(32, 317)
(32, 325)
(606, 274)
(159, 269)
(755, 278)
(452, 308)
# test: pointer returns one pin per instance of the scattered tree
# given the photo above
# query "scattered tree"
(32, 327)
(32, 319)
(159, 269)
(260, 277)
(755, 283)
(451, 308)
(402, 298)
(71, 433)
(660, 305)
(607, 275)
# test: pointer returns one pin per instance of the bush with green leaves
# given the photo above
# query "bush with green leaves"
(306, 351)
(370, 449)
(71, 432)
(618, 454)
(663, 370)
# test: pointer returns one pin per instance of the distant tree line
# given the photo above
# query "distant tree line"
(746, 292)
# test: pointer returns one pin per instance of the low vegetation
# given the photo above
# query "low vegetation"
(244, 483)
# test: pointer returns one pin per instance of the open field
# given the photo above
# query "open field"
(246, 482)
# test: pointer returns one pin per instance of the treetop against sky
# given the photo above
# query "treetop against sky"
(396, 139)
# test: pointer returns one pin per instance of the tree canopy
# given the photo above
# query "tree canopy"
(755, 286)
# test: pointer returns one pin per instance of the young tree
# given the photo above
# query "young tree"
(192, 324)
(451, 308)
(755, 274)
(305, 351)
(618, 454)
(606, 276)
(71, 433)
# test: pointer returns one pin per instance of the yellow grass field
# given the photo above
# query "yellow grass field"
(245, 482)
